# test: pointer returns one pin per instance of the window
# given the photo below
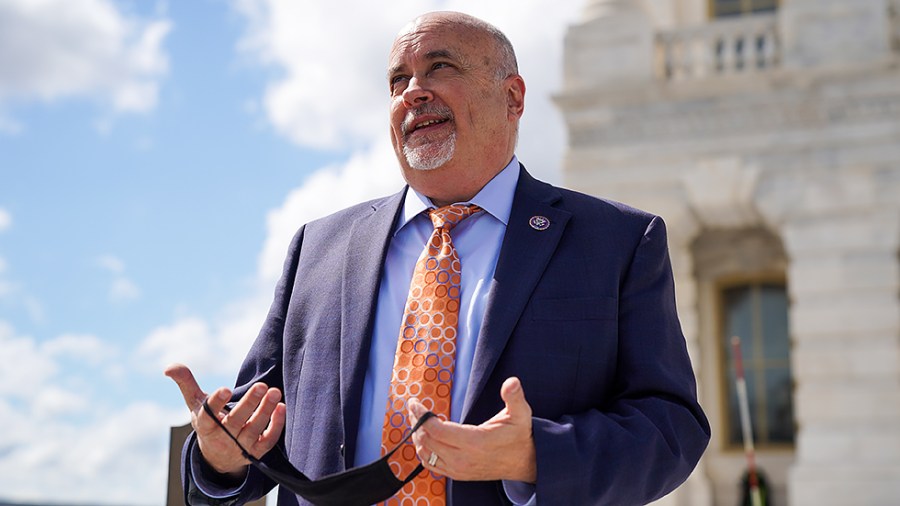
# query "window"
(757, 312)
(723, 8)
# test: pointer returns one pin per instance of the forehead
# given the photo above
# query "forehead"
(428, 40)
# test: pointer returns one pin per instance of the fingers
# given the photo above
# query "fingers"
(190, 390)
(435, 432)
(253, 428)
(434, 428)
(219, 399)
(270, 436)
(241, 412)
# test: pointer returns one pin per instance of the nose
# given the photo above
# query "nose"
(415, 94)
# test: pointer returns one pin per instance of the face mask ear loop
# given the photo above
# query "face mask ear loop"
(215, 418)
(428, 415)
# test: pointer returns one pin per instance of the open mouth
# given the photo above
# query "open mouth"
(419, 130)
(425, 118)
(426, 124)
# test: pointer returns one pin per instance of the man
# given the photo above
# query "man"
(572, 384)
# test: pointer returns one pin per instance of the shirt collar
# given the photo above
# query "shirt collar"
(495, 197)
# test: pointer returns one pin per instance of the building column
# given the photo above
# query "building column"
(697, 490)
(845, 325)
(612, 46)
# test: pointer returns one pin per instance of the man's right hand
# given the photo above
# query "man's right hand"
(257, 421)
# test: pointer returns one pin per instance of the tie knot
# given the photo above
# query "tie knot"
(448, 217)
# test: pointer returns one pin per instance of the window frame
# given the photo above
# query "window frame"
(746, 9)
(721, 284)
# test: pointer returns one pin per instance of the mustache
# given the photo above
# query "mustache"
(413, 115)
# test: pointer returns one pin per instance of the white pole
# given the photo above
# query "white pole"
(746, 427)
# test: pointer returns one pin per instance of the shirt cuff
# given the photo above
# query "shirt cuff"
(211, 483)
(520, 493)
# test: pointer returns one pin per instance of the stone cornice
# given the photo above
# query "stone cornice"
(791, 108)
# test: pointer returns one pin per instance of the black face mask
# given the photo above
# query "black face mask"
(360, 486)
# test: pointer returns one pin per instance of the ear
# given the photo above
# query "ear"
(515, 96)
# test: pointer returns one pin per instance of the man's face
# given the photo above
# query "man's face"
(447, 104)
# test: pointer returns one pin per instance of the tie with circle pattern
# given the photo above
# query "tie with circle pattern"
(426, 353)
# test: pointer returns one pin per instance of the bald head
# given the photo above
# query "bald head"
(503, 55)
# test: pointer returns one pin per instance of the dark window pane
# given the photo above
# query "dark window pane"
(727, 8)
(734, 414)
(780, 407)
(723, 8)
(774, 310)
(758, 314)
(739, 316)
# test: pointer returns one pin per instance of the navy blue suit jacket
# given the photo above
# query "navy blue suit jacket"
(582, 312)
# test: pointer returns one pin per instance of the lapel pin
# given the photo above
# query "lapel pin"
(539, 223)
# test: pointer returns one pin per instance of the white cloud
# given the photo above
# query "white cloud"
(6, 286)
(366, 175)
(85, 348)
(5, 220)
(13, 295)
(64, 438)
(111, 263)
(188, 340)
(121, 288)
(332, 91)
(55, 49)
(120, 457)
(22, 358)
(54, 401)
(34, 308)
(209, 347)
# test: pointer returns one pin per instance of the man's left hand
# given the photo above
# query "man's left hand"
(501, 448)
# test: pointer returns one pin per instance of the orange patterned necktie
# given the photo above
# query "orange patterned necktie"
(426, 352)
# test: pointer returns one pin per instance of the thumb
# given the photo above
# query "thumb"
(190, 390)
(514, 397)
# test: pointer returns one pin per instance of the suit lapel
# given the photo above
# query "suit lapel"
(359, 296)
(524, 255)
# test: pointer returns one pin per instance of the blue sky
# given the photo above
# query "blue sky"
(155, 158)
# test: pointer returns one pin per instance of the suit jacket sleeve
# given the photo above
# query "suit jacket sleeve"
(646, 438)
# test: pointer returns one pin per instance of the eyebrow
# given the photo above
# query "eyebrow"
(439, 53)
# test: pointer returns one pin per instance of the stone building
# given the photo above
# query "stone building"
(767, 134)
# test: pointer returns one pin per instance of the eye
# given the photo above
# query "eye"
(440, 65)
(397, 82)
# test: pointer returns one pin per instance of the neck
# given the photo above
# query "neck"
(450, 184)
